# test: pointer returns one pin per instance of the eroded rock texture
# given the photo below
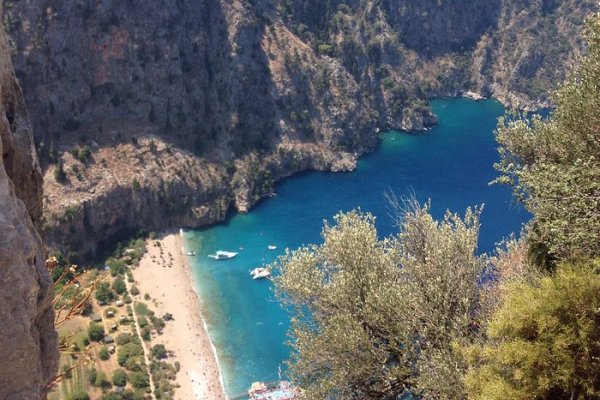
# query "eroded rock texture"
(193, 107)
(28, 341)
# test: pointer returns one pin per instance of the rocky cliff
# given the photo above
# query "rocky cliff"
(236, 94)
(28, 341)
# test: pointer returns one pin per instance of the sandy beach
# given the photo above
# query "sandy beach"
(164, 273)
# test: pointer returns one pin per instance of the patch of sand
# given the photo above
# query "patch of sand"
(164, 273)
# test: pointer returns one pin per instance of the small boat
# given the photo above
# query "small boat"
(191, 253)
(281, 390)
(260, 272)
(223, 255)
(272, 247)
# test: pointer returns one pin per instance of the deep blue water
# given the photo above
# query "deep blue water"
(451, 165)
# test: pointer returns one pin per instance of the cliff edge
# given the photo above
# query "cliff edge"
(28, 341)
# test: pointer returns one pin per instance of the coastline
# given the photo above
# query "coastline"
(165, 274)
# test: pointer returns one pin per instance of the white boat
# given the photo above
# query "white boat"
(272, 247)
(223, 255)
(281, 390)
(191, 253)
(260, 272)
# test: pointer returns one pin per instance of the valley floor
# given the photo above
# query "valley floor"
(165, 275)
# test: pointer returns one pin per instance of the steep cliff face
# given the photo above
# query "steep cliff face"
(293, 84)
(28, 341)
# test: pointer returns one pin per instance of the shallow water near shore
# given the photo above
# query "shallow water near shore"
(451, 165)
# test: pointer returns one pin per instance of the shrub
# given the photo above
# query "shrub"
(543, 342)
(127, 351)
(119, 285)
(84, 153)
(104, 293)
(103, 353)
(146, 336)
(59, 172)
(142, 322)
(101, 380)
(92, 375)
(141, 309)
(119, 378)
(325, 49)
(80, 396)
(134, 290)
(139, 380)
(133, 364)
(159, 351)
(117, 267)
(95, 332)
(123, 338)
(157, 323)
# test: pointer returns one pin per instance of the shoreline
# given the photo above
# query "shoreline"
(166, 275)
(190, 274)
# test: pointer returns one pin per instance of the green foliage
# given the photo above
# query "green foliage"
(157, 323)
(101, 380)
(104, 293)
(134, 290)
(325, 49)
(159, 351)
(139, 379)
(142, 322)
(59, 172)
(92, 373)
(103, 353)
(141, 309)
(162, 374)
(119, 378)
(95, 332)
(126, 395)
(136, 185)
(84, 153)
(375, 318)
(80, 396)
(128, 351)
(119, 285)
(146, 334)
(543, 342)
(554, 165)
(123, 338)
(116, 267)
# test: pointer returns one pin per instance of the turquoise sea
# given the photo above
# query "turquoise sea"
(451, 165)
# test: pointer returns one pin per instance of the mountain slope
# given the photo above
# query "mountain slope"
(251, 89)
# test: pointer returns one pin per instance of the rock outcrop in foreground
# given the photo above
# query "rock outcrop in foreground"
(28, 341)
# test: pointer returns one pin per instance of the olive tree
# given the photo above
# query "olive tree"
(554, 164)
(376, 318)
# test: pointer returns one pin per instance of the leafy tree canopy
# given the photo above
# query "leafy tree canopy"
(543, 342)
(377, 318)
(554, 164)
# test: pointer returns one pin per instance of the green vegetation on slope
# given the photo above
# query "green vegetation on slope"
(554, 165)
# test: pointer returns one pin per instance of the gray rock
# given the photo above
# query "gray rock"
(28, 341)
